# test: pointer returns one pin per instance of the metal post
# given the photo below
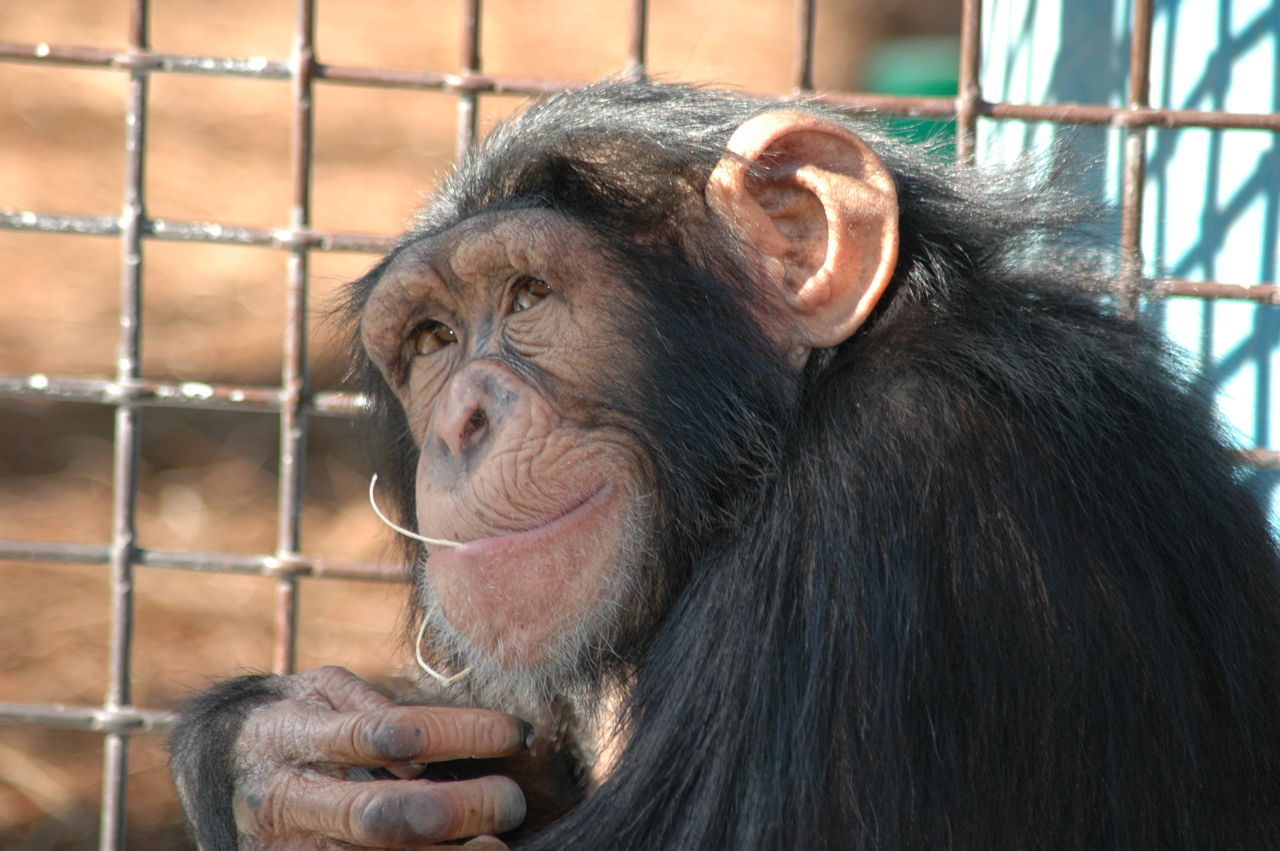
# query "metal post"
(123, 548)
(468, 97)
(969, 96)
(294, 391)
(1135, 158)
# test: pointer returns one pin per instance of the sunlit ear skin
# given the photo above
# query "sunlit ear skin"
(820, 210)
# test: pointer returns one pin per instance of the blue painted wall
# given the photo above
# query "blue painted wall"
(1212, 202)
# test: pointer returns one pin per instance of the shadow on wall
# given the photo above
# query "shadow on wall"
(1212, 197)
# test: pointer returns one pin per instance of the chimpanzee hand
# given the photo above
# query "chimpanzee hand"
(295, 760)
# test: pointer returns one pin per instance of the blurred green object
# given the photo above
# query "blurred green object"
(918, 65)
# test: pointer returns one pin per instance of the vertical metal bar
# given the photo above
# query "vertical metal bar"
(639, 51)
(467, 100)
(115, 760)
(805, 21)
(969, 94)
(294, 404)
(1135, 158)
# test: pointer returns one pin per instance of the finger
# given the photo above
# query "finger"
(337, 688)
(407, 770)
(480, 843)
(401, 734)
(403, 771)
(389, 813)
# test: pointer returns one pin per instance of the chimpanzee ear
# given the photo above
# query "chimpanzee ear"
(821, 209)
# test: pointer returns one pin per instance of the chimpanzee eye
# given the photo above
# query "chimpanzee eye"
(431, 336)
(528, 293)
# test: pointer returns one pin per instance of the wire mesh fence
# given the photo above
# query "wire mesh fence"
(295, 401)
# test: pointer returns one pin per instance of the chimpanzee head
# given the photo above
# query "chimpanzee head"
(585, 354)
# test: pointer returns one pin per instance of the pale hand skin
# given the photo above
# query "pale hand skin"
(295, 794)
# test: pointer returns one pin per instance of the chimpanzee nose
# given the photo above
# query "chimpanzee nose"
(471, 410)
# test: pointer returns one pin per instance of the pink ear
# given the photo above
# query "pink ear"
(821, 212)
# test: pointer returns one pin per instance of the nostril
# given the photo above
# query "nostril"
(475, 425)
(465, 418)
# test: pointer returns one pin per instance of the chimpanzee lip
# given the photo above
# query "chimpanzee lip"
(547, 528)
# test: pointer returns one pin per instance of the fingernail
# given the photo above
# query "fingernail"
(526, 732)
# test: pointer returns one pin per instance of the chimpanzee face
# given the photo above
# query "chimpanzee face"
(580, 404)
(492, 336)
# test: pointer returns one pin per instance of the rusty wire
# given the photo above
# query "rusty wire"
(129, 393)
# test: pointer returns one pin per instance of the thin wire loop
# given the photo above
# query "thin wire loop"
(439, 542)
(422, 663)
(443, 679)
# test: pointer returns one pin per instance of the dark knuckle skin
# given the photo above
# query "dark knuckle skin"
(401, 817)
(395, 736)
(257, 806)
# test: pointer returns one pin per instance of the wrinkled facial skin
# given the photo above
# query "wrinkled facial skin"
(492, 336)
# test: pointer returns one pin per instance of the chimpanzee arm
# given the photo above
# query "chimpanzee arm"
(201, 754)
(264, 762)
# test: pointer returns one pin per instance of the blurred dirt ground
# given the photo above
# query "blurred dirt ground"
(218, 150)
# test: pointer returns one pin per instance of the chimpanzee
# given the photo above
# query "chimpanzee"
(811, 493)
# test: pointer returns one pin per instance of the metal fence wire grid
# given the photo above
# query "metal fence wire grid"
(128, 392)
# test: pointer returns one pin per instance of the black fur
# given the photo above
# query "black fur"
(201, 749)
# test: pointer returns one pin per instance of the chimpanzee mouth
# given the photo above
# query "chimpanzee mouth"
(545, 530)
